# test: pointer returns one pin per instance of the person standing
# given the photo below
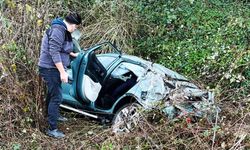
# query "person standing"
(56, 49)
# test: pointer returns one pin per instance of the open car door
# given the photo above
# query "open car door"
(90, 79)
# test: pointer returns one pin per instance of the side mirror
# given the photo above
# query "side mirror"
(115, 46)
(76, 35)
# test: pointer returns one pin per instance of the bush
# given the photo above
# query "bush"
(206, 40)
(201, 39)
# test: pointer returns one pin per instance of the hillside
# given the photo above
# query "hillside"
(208, 41)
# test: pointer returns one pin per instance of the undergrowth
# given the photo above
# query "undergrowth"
(206, 40)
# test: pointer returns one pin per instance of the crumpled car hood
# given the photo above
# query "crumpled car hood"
(160, 87)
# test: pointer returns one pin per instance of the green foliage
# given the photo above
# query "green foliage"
(207, 40)
(107, 146)
(16, 146)
(14, 51)
(201, 39)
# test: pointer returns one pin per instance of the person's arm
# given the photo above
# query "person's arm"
(56, 40)
(63, 73)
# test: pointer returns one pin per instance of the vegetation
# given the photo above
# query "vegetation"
(206, 40)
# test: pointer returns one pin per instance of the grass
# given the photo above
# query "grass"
(206, 40)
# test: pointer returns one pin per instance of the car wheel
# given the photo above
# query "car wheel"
(126, 118)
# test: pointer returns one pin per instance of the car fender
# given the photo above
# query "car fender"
(123, 100)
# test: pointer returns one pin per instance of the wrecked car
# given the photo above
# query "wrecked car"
(106, 84)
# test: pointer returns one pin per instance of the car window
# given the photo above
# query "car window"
(105, 60)
(120, 70)
(125, 67)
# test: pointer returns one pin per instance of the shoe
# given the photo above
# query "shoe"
(62, 119)
(55, 133)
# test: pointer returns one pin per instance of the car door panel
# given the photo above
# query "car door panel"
(90, 78)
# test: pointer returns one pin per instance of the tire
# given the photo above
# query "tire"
(126, 118)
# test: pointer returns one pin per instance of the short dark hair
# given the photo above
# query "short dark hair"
(73, 18)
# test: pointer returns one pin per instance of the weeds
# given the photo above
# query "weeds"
(207, 40)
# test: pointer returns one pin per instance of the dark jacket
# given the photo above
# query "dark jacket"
(56, 45)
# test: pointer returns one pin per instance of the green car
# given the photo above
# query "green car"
(111, 86)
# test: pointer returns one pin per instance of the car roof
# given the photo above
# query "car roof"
(157, 67)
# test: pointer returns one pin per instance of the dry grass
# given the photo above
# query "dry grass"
(22, 124)
(153, 132)
(113, 21)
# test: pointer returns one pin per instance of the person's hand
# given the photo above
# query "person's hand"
(63, 73)
(74, 54)
(64, 77)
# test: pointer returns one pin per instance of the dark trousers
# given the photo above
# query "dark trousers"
(54, 94)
